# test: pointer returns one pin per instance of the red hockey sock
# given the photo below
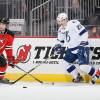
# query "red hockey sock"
(98, 72)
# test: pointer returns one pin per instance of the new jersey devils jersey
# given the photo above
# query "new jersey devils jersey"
(6, 42)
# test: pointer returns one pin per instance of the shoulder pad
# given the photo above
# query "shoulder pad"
(74, 21)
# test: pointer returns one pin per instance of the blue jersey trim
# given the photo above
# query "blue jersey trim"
(82, 32)
(75, 48)
(71, 68)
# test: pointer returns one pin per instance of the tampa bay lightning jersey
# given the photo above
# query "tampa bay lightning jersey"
(73, 33)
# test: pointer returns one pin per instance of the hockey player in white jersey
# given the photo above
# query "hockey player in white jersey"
(76, 37)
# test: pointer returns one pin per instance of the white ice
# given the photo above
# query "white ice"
(37, 91)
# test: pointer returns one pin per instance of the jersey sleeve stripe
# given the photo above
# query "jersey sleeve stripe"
(8, 46)
(82, 32)
(2, 73)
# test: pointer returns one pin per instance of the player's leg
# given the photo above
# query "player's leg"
(3, 67)
(90, 71)
(95, 76)
(69, 59)
(83, 57)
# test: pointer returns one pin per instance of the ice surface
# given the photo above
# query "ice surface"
(59, 91)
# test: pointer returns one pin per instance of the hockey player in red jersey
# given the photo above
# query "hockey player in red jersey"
(6, 42)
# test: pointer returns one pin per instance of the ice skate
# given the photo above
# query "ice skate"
(5, 81)
(93, 80)
(79, 79)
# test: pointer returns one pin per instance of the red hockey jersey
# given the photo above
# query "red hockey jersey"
(6, 42)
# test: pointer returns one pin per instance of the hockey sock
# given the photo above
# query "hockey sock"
(97, 74)
(2, 71)
(72, 70)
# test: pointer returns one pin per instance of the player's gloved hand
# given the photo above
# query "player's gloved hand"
(11, 61)
(57, 49)
(11, 64)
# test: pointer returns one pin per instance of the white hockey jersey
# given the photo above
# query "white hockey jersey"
(74, 33)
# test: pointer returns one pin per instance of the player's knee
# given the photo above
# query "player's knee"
(69, 67)
(70, 60)
(69, 57)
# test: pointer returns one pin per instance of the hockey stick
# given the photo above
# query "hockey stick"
(32, 76)
(26, 73)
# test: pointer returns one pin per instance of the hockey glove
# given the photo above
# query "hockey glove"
(57, 49)
(12, 61)
(11, 64)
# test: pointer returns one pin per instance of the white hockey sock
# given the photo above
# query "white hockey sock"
(72, 70)
(88, 69)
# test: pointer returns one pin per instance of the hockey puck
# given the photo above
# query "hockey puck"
(52, 83)
(24, 87)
